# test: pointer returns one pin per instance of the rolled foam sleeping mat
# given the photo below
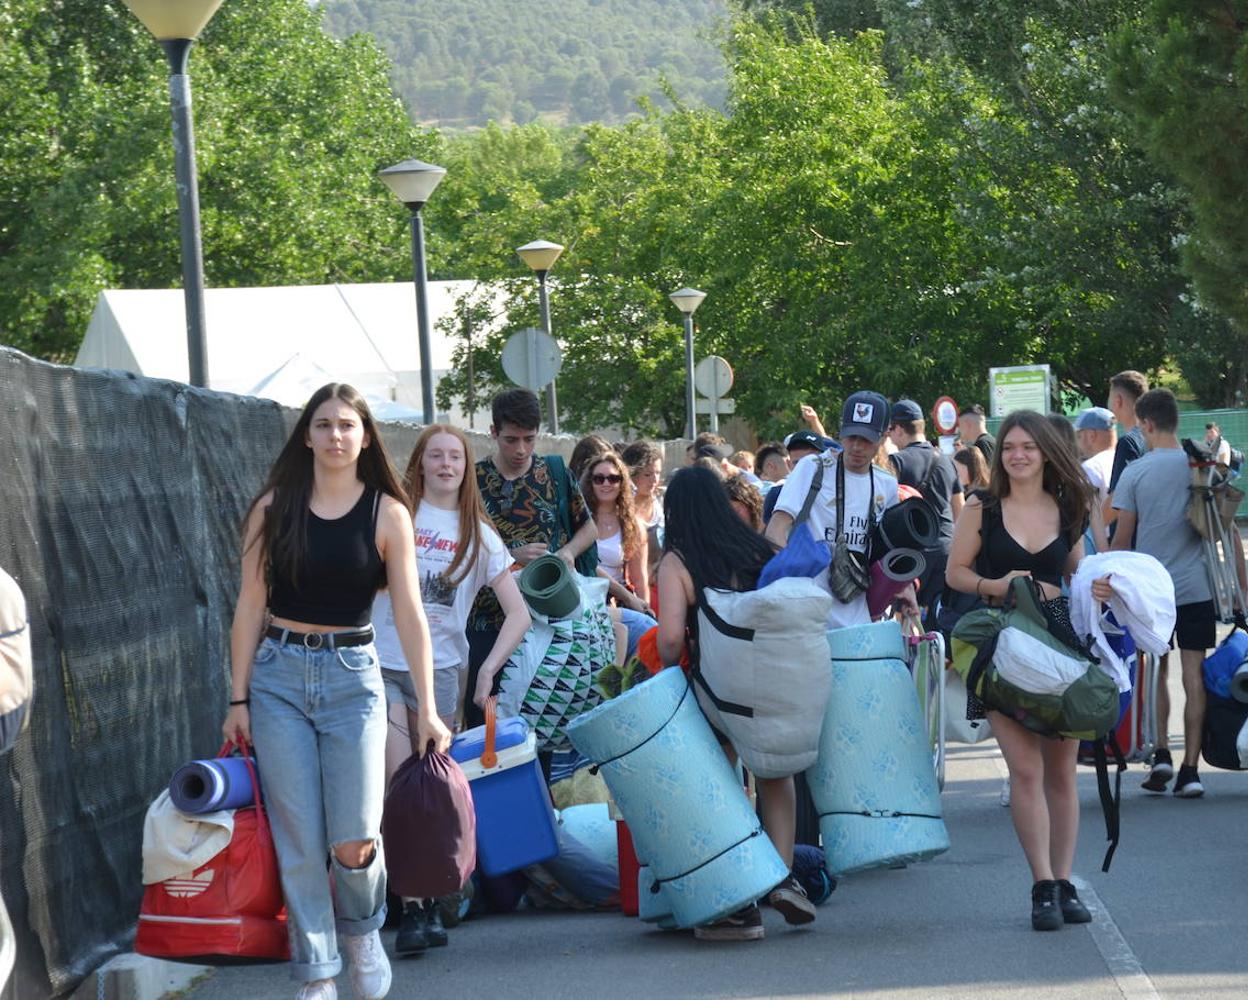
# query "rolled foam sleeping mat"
(548, 587)
(689, 817)
(653, 907)
(891, 575)
(1239, 684)
(873, 783)
(911, 524)
(204, 786)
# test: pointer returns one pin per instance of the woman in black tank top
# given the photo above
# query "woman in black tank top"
(330, 526)
(1030, 522)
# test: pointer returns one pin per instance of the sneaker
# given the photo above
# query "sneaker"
(370, 968)
(318, 989)
(744, 925)
(1073, 910)
(413, 936)
(790, 901)
(452, 908)
(1005, 791)
(1160, 773)
(1046, 912)
(434, 931)
(1188, 785)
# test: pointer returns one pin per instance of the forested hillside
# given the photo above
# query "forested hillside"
(466, 62)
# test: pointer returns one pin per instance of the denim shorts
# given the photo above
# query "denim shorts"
(446, 681)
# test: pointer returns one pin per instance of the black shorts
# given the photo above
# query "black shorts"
(1195, 626)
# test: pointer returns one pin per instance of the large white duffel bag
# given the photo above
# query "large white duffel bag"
(764, 671)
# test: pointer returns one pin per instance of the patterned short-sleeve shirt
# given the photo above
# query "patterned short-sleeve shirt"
(524, 510)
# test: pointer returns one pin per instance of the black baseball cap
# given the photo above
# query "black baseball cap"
(807, 439)
(906, 409)
(865, 415)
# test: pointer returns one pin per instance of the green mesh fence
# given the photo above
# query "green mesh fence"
(1232, 423)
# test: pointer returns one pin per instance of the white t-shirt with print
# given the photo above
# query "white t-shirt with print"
(863, 490)
(446, 605)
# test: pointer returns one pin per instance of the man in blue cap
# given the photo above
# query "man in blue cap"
(1097, 436)
(921, 466)
(842, 496)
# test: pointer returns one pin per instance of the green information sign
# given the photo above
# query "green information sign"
(1020, 387)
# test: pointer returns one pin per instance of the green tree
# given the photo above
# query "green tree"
(1180, 72)
(291, 126)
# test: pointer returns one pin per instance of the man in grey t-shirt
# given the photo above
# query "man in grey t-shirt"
(1151, 502)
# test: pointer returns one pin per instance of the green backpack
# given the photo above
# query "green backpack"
(1086, 706)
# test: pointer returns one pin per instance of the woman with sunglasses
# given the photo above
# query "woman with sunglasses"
(331, 525)
(622, 550)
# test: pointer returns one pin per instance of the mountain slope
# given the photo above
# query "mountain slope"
(464, 62)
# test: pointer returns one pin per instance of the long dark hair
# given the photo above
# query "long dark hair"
(1064, 478)
(720, 550)
(283, 536)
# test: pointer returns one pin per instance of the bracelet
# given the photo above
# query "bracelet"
(241, 701)
(979, 583)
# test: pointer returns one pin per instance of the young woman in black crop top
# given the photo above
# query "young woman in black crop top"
(1032, 516)
(330, 526)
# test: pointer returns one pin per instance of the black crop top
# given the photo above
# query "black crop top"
(341, 573)
(1000, 553)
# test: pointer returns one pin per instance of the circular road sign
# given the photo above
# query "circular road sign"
(713, 377)
(532, 358)
(945, 415)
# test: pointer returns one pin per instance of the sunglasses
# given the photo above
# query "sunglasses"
(601, 479)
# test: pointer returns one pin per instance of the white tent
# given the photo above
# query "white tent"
(282, 343)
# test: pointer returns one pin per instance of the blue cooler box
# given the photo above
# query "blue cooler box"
(515, 818)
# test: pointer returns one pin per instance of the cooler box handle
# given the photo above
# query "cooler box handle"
(489, 758)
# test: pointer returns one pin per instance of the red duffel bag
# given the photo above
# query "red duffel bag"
(429, 828)
(229, 911)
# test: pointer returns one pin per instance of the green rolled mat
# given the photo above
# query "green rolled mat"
(548, 587)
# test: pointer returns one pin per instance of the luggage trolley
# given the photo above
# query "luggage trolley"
(1215, 501)
(926, 660)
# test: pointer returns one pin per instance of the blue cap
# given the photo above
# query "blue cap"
(864, 415)
(1097, 418)
(906, 409)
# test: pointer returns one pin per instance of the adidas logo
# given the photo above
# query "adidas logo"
(184, 888)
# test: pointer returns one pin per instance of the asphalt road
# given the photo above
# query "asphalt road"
(1170, 921)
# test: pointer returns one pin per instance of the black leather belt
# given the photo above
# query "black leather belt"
(318, 640)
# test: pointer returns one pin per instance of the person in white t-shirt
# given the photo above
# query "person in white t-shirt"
(458, 552)
(867, 492)
(1096, 433)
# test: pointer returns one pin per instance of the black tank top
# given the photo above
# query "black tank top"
(341, 572)
(1001, 553)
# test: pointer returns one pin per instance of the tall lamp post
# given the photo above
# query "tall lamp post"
(541, 255)
(687, 301)
(412, 182)
(176, 24)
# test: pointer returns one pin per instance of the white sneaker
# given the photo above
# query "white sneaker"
(320, 989)
(370, 968)
(1005, 792)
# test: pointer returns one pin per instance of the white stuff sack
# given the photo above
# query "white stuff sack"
(764, 672)
(1034, 666)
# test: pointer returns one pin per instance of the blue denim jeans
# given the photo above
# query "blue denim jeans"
(638, 624)
(318, 721)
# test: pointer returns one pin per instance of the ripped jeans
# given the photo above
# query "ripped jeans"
(318, 720)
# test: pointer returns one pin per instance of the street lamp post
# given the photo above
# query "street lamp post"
(176, 24)
(541, 255)
(412, 182)
(687, 301)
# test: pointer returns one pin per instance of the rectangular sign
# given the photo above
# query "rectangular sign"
(720, 406)
(1019, 387)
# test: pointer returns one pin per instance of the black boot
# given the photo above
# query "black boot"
(1046, 911)
(413, 937)
(1073, 911)
(435, 933)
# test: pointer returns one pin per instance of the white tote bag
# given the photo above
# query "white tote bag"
(958, 728)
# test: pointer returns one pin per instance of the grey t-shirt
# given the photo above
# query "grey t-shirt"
(1154, 488)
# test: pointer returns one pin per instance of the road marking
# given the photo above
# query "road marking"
(1132, 980)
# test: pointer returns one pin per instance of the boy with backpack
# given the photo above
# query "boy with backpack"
(1153, 512)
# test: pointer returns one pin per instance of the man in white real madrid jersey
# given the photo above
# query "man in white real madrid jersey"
(865, 491)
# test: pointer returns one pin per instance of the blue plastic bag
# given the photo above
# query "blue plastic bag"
(804, 555)
(1221, 664)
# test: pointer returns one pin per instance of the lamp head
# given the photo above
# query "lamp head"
(174, 19)
(412, 181)
(687, 300)
(540, 255)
